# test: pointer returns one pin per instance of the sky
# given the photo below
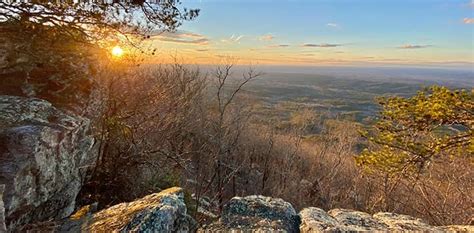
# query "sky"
(326, 32)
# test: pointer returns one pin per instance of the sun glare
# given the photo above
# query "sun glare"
(117, 51)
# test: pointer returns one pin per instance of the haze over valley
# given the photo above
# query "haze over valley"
(347, 92)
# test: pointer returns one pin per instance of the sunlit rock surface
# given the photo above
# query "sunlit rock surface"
(345, 220)
(159, 212)
(317, 220)
(45, 155)
(403, 222)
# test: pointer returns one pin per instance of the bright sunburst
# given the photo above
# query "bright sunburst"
(117, 51)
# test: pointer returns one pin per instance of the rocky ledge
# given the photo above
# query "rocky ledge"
(266, 214)
(166, 212)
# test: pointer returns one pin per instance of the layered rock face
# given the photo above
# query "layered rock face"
(45, 155)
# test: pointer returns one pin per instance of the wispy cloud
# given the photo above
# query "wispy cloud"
(410, 46)
(468, 20)
(333, 25)
(237, 38)
(267, 37)
(322, 45)
(183, 37)
(278, 46)
(233, 39)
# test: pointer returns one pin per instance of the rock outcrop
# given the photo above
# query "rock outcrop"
(266, 214)
(166, 212)
(45, 155)
(255, 214)
(159, 212)
(345, 220)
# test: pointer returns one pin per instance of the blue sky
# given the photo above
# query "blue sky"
(328, 32)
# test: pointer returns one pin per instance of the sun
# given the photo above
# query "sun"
(117, 51)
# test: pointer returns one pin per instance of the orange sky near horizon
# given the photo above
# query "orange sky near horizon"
(320, 33)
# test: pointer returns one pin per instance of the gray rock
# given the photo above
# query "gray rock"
(256, 214)
(344, 220)
(159, 212)
(403, 222)
(317, 220)
(3, 227)
(45, 155)
(350, 220)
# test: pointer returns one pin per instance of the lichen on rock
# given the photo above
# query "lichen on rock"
(402, 222)
(45, 155)
(256, 214)
(158, 212)
(351, 220)
(317, 220)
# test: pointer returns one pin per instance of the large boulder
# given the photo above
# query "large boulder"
(256, 214)
(159, 212)
(45, 155)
